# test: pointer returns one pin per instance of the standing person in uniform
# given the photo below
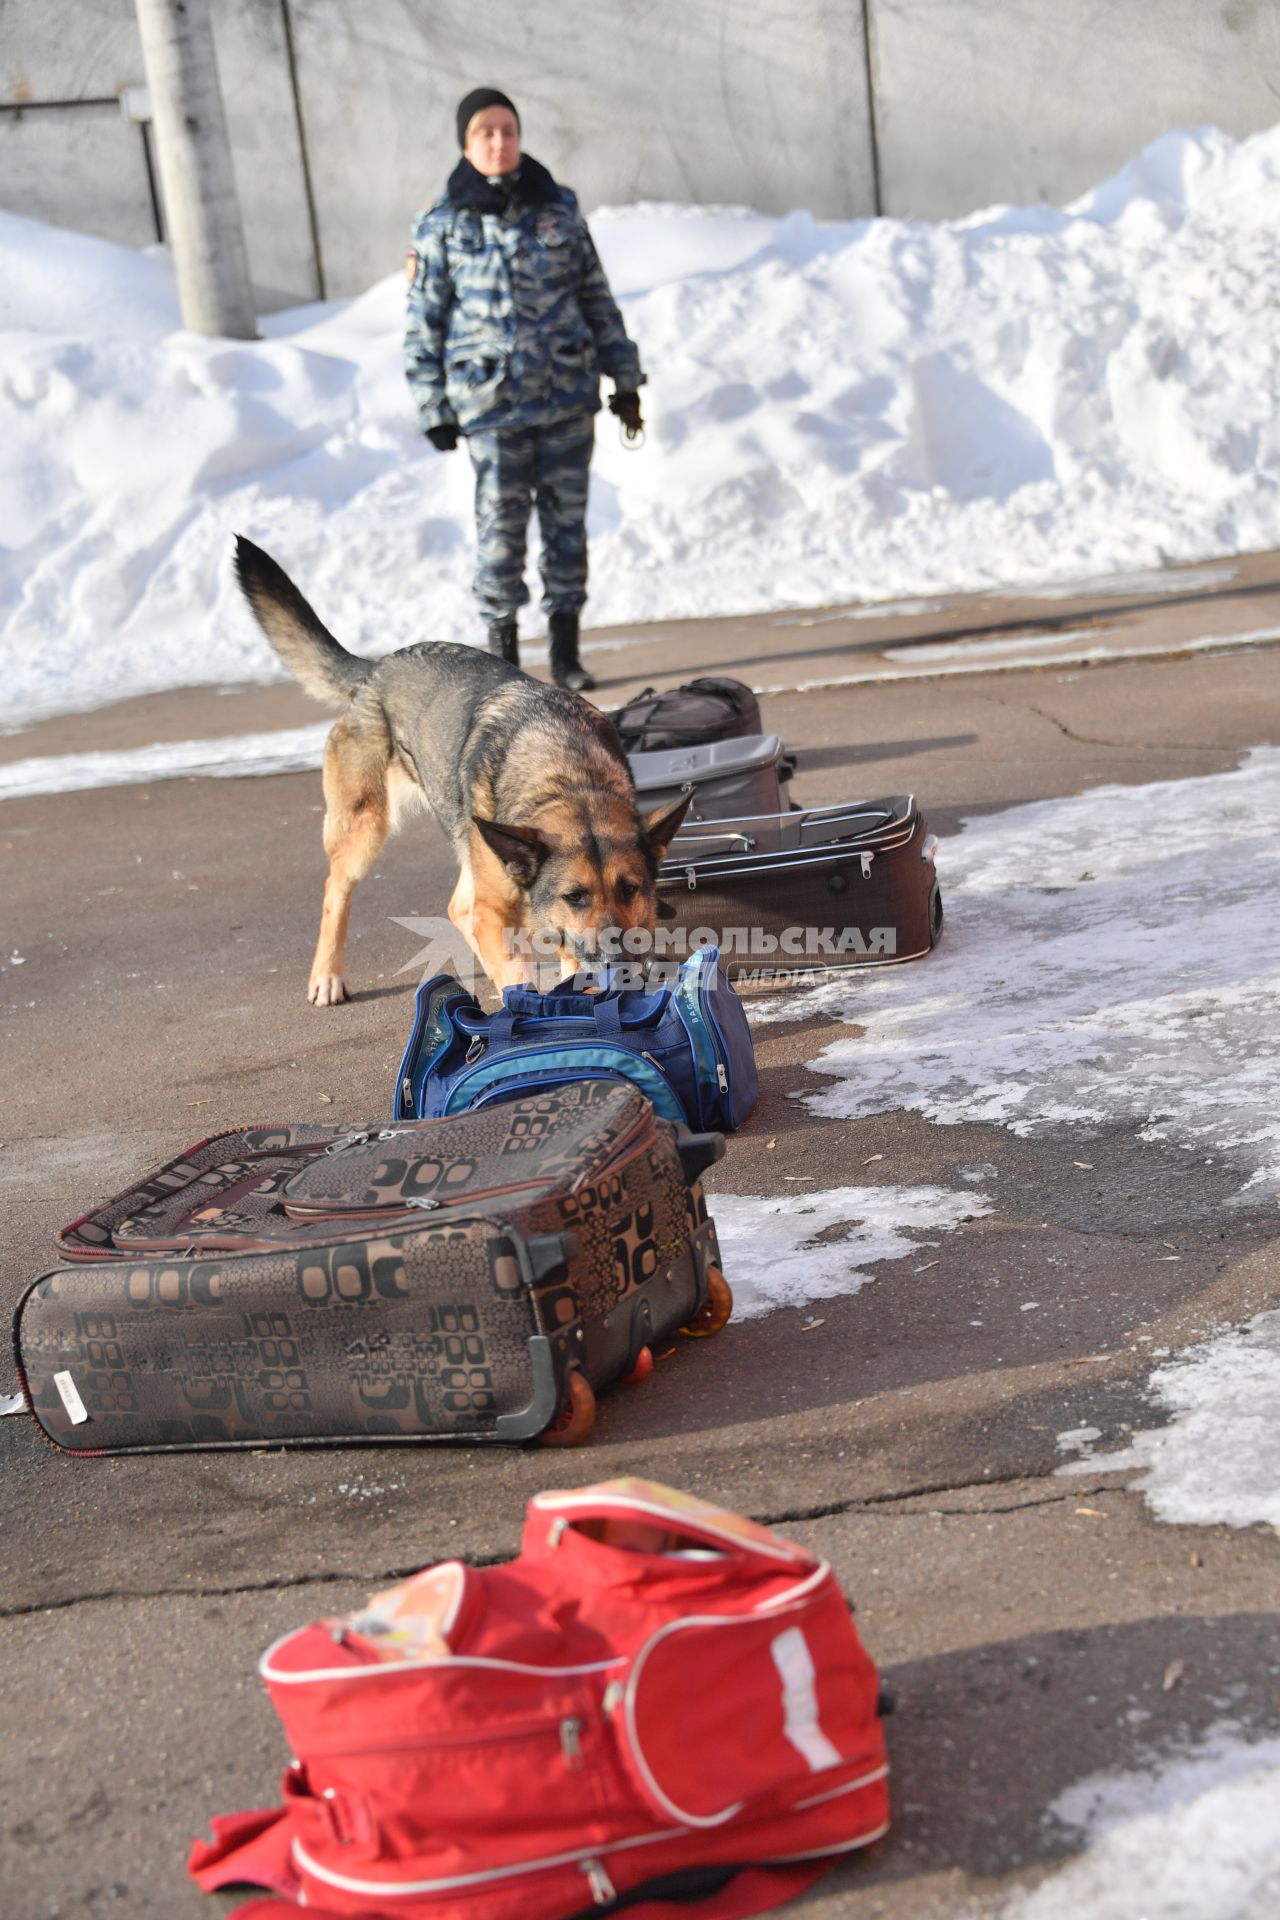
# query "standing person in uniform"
(511, 323)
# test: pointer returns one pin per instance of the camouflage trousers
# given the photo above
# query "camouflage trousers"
(517, 469)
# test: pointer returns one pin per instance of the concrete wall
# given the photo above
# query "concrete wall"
(1019, 100)
(341, 111)
(67, 154)
(669, 100)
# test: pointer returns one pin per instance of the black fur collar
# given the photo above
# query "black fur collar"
(534, 187)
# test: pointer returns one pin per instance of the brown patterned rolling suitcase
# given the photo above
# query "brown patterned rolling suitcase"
(801, 891)
(472, 1279)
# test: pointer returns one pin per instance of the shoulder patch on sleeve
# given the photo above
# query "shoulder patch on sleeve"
(411, 261)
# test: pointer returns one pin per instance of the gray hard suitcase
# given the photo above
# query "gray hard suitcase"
(466, 1279)
(728, 777)
(802, 891)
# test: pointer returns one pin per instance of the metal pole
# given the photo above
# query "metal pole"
(201, 209)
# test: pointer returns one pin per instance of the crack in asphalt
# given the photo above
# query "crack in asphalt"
(1095, 740)
(879, 1504)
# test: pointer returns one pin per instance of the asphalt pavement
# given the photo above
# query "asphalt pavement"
(1026, 1624)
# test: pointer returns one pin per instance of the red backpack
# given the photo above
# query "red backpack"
(656, 1700)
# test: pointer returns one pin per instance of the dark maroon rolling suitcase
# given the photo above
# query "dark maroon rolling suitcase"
(803, 891)
(729, 778)
(466, 1279)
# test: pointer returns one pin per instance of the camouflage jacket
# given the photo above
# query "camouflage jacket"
(511, 321)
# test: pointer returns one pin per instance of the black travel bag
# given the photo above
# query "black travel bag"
(473, 1279)
(703, 710)
(802, 891)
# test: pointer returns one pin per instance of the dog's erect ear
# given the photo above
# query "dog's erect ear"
(659, 827)
(521, 850)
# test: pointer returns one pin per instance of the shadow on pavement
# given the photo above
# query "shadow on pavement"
(984, 1740)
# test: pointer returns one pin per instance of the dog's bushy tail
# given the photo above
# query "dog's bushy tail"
(304, 643)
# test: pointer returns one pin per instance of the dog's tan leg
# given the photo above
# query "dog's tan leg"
(356, 823)
(483, 909)
(484, 930)
(461, 911)
(488, 937)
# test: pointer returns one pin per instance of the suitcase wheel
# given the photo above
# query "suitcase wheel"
(642, 1368)
(577, 1416)
(715, 1309)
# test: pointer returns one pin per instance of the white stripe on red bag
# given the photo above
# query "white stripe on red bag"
(792, 1658)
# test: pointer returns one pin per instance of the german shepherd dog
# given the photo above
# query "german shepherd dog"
(528, 781)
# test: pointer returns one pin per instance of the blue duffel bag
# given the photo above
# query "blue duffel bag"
(686, 1046)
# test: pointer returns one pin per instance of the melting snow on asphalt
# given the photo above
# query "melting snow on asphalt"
(861, 410)
(802, 1247)
(1218, 1459)
(1108, 959)
(1196, 1838)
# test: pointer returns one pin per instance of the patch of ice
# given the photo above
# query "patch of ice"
(1022, 644)
(1123, 585)
(802, 1247)
(1110, 958)
(1033, 650)
(878, 610)
(289, 750)
(1217, 1462)
(1196, 1838)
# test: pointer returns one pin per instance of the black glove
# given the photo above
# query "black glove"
(627, 408)
(443, 438)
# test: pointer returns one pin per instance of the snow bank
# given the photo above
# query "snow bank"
(866, 409)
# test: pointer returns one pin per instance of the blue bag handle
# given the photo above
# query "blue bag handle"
(500, 1028)
(608, 1012)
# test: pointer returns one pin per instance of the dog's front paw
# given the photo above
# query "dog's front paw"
(327, 990)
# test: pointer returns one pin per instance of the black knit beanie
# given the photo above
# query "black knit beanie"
(476, 102)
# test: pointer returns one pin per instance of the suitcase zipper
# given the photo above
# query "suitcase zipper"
(427, 1203)
(362, 1138)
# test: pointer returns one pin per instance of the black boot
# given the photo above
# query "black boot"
(503, 641)
(566, 668)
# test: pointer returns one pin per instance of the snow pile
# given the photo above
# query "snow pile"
(787, 1252)
(1218, 1460)
(864, 410)
(1108, 958)
(1197, 1839)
